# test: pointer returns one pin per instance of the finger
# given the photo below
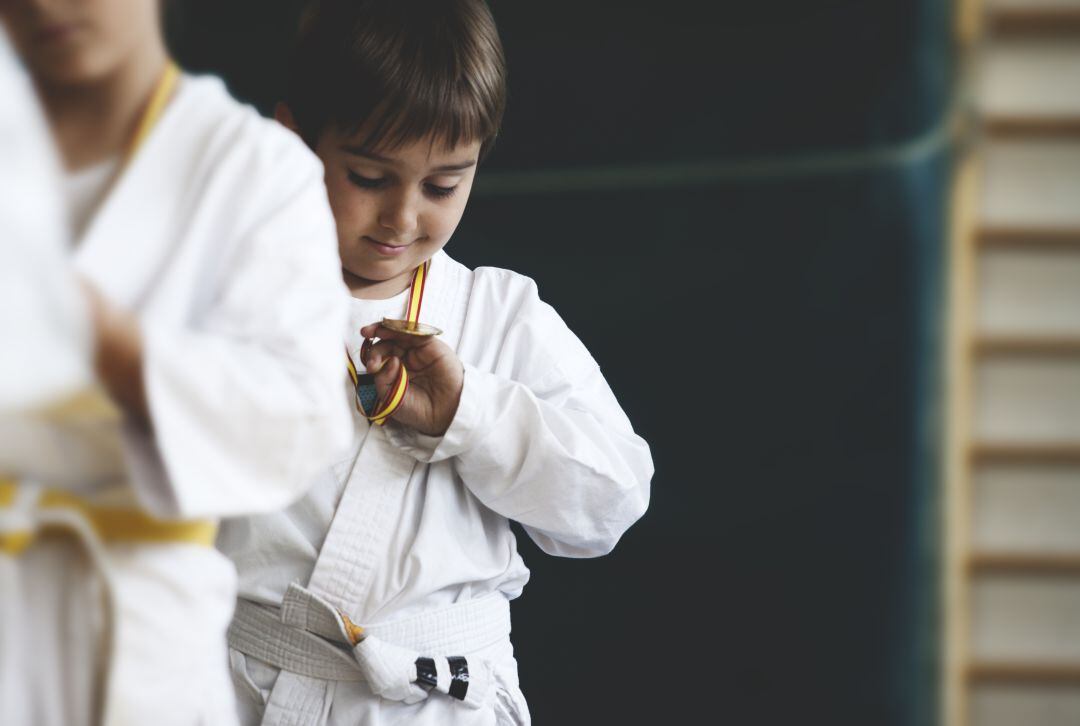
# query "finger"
(377, 353)
(387, 377)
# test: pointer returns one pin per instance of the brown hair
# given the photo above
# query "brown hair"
(404, 69)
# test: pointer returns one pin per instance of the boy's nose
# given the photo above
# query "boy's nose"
(400, 216)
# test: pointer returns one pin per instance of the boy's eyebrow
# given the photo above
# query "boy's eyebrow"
(456, 167)
(371, 155)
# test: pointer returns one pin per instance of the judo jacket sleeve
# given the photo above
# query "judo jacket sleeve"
(538, 435)
(245, 401)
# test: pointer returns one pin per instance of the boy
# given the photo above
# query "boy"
(210, 398)
(382, 596)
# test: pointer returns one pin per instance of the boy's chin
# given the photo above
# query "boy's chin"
(380, 271)
(369, 266)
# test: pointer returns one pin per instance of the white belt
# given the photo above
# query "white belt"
(401, 660)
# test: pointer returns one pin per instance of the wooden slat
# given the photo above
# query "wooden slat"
(1063, 345)
(1029, 184)
(1025, 563)
(1020, 672)
(1029, 237)
(1042, 127)
(1034, 21)
(1021, 452)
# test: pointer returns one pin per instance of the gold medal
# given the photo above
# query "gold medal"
(422, 330)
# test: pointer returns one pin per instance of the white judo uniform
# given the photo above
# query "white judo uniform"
(218, 235)
(409, 535)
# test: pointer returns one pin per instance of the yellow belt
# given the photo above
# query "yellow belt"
(110, 524)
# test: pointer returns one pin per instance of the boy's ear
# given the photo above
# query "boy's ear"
(283, 115)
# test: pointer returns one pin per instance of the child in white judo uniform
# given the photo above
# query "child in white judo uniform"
(192, 393)
(383, 595)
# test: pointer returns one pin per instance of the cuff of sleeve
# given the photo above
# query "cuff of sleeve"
(471, 423)
(146, 473)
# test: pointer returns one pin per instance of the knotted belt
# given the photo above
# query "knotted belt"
(402, 660)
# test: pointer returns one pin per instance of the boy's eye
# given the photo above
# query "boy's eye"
(365, 182)
(436, 191)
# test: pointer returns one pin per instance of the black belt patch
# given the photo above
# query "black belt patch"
(426, 675)
(459, 672)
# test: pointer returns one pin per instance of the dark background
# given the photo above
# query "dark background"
(785, 570)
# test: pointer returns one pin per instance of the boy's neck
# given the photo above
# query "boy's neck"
(95, 120)
(377, 289)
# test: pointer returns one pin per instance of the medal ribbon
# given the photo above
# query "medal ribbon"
(366, 396)
(162, 93)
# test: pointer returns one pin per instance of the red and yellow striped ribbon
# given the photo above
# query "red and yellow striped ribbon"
(163, 91)
(386, 408)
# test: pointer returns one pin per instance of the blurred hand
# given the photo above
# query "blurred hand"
(436, 377)
(118, 353)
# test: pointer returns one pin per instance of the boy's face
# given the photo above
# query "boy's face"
(77, 41)
(394, 208)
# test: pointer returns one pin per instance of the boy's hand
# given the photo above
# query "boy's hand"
(436, 377)
(118, 354)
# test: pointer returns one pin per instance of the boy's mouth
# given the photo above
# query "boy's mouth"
(385, 249)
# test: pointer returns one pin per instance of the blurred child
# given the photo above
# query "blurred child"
(210, 396)
(383, 595)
